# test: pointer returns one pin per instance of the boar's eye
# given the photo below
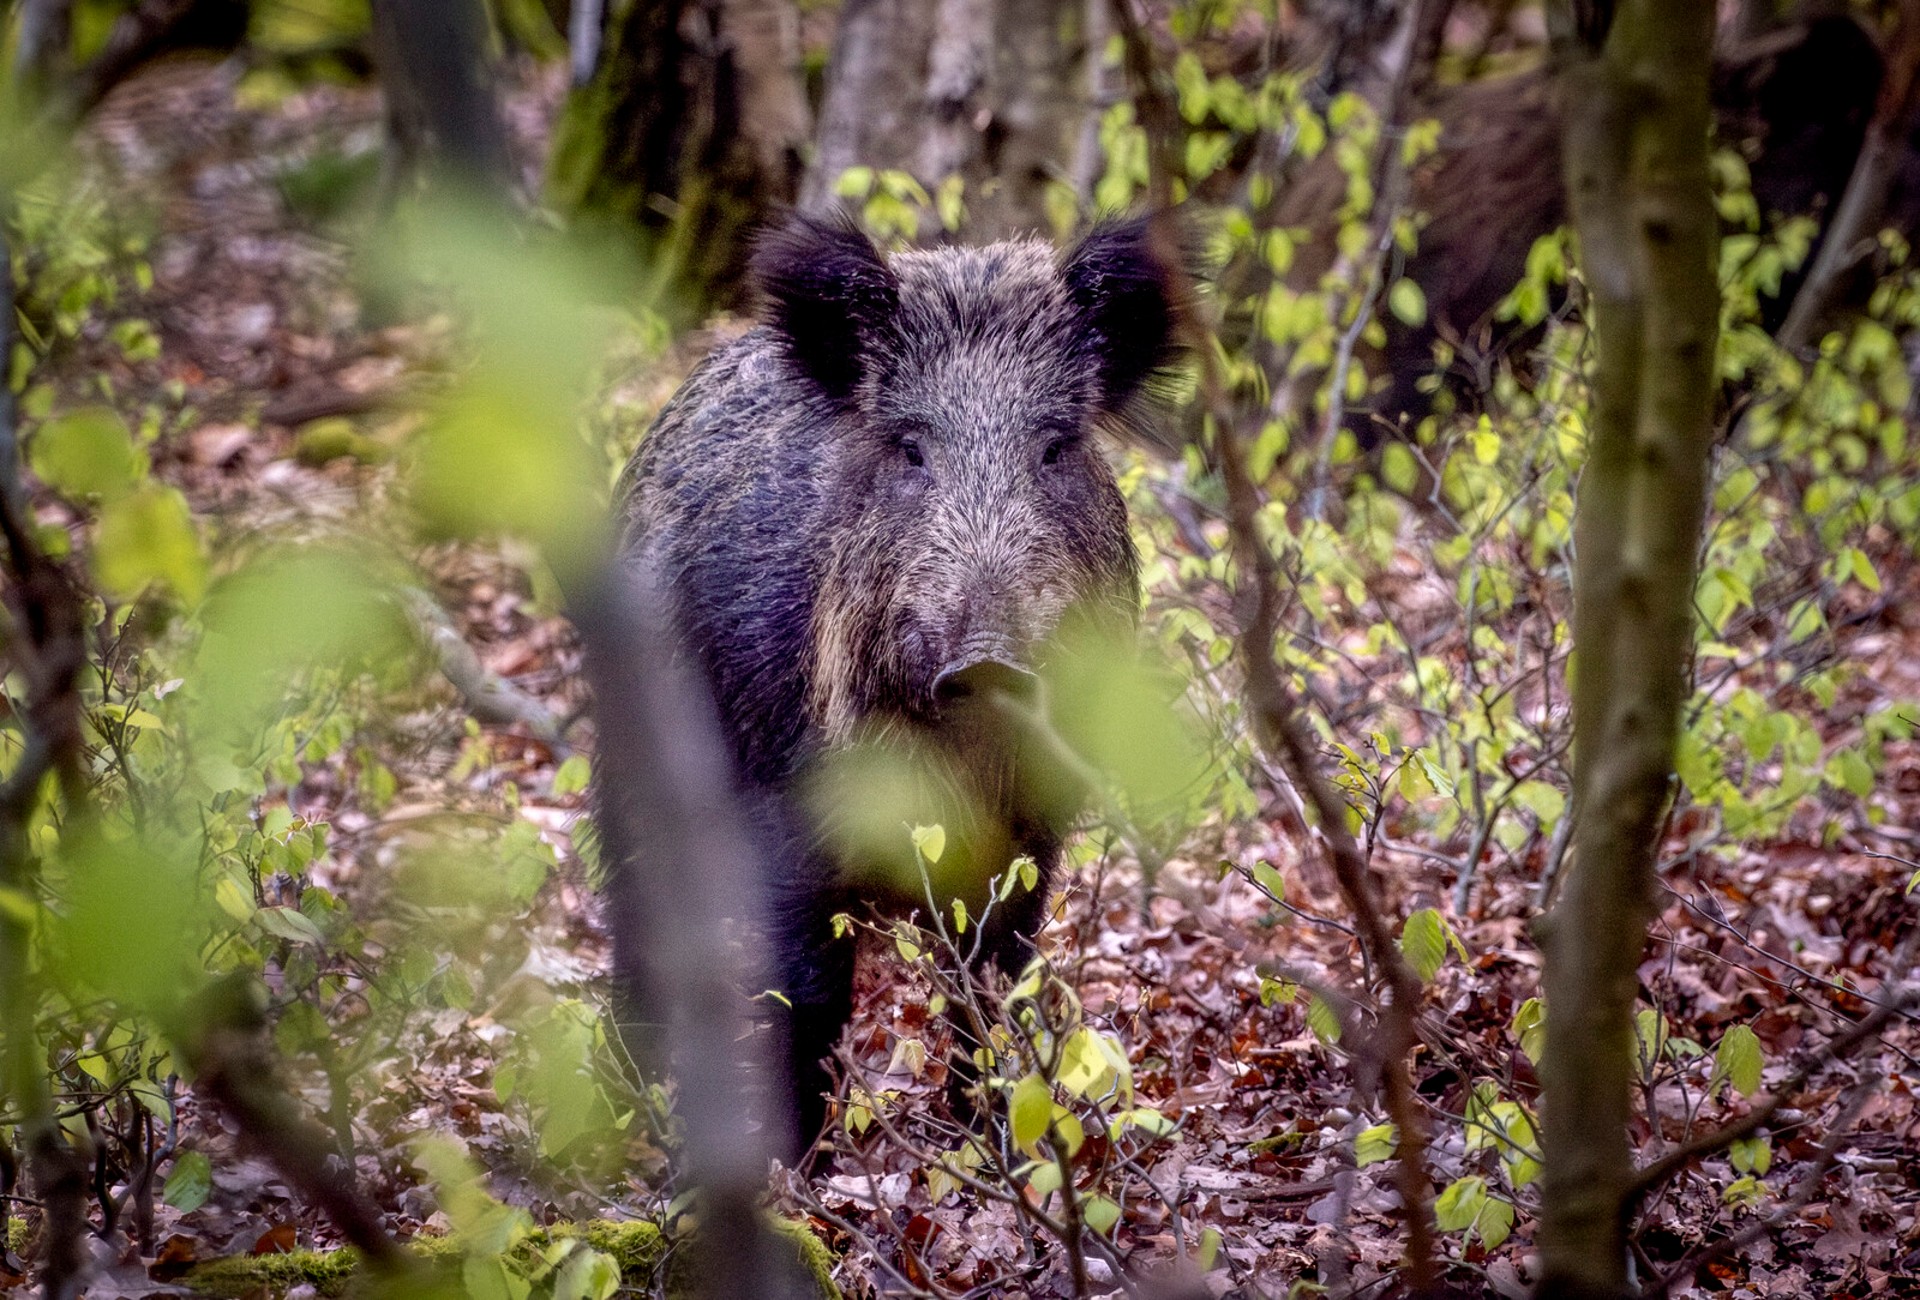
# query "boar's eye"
(1059, 447)
(910, 448)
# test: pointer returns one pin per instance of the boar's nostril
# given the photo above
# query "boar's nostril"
(983, 678)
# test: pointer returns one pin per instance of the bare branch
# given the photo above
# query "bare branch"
(1276, 722)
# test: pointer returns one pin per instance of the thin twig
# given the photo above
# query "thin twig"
(1276, 723)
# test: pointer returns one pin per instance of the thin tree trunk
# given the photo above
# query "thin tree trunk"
(584, 23)
(1636, 157)
(440, 100)
(979, 89)
(1105, 85)
(957, 67)
(680, 865)
(45, 30)
(49, 654)
(1029, 139)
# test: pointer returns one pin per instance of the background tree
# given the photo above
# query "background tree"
(685, 138)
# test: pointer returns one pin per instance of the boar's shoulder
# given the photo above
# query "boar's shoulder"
(726, 503)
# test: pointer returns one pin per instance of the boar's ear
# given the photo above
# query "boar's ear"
(829, 296)
(1126, 297)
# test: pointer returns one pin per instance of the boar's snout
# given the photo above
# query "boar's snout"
(978, 678)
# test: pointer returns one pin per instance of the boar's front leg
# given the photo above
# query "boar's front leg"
(813, 970)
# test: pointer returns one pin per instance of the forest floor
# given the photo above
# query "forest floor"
(268, 341)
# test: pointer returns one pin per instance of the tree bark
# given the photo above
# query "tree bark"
(44, 33)
(440, 101)
(1637, 172)
(685, 140)
(875, 81)
(958, 64)
(49, 653)
(979, 89)
(1105, 87)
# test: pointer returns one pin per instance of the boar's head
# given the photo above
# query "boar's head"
(975, 511)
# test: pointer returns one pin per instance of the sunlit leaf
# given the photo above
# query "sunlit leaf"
(85, 453)
(190, 1182)
(1372, 1145)
(1530, 1027)
(1029, 1109)
(1738, 1061)
(146, 537)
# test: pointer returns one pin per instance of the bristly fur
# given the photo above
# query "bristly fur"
(1132, 304)
(828, 295)
(896, 478)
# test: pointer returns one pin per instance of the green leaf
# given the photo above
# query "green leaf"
(286, 923)
(1530, 1027)
(85, 453)
(1209, 1250)
(1323, 1020)
(587, 1275)
(1745, 1192)
(1460, 1204)
(1486, 443)
(234, 899)
(1083, 1066)
(1100, 1214)
(930, 842)
(903, 942)
(573, 776)
(1751, 1155)
(1029, 1110)
(146, 537)
(854, 183)
(1857, 563)
(959, 915)
(1495, 1223)
(1466, 1205)
(1043, 1178)
(1277, 990)
(190, 1183)
(1738, 1061)
(1851, 771)
(1372, 1145)
(1144, 1119)
(1268, 877)
(1407, 302)
(1424, 939)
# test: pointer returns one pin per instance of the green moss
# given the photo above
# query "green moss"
(638, 1248)
(15, 1234)
(333, 438)
(814, 1255)
(328, 1271)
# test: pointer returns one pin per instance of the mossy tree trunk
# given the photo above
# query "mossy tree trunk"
(685, 139)
(1637, 171)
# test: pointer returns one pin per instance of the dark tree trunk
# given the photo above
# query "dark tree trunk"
(685, 139)
(440, 100)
